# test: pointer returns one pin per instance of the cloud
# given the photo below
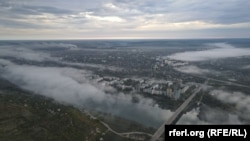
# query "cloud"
(38, 51)
(181, 11)
(5, 62)
(216, 115)
(72, 86)
(24, 53)
(25, 8)
(208, 115)
(19, 24)
(28, 51)
(246, 67)
(240, 101)
(191, 118)
(128, 18)
(24, 15)
(192, 69)
(41, 45)
(90, 16)
(238, 114)
(219, 51)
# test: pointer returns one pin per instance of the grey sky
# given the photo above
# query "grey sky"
(81, 19)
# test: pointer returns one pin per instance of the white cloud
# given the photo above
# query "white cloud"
(27, 52)
(23, 53)
(104, 18)
(136, 17)
(111, 6)
(191, 118)
(217, 115)
(240, 100)
(192, 69)
(209, 116)
(246, 67)
(54, 45)
(219, 51)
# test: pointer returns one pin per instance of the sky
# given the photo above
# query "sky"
(124, 19)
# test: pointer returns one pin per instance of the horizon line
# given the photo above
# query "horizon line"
(218, 38)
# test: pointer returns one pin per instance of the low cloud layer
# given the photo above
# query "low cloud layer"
(23, 53)
(218, 51)
(53, 45)
(37, 52)
(246, 67)
(71, 86)
(28, 51)
(192, 69)
(238, 114)
(191, 118)
(240, 100)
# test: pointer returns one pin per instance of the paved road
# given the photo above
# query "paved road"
(160, 130)
(223, 81)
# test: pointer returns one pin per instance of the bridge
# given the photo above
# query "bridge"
(160, 130)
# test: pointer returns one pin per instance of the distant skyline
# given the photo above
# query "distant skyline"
(124, 19)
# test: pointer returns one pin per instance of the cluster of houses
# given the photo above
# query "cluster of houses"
(171, 89)
(161, 62)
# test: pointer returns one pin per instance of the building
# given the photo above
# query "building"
(169, 92)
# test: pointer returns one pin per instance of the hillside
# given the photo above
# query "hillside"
(28, 117)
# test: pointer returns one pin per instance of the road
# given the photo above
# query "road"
(223, 81)
(126, 134)
(160, 130)
(130, 133)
